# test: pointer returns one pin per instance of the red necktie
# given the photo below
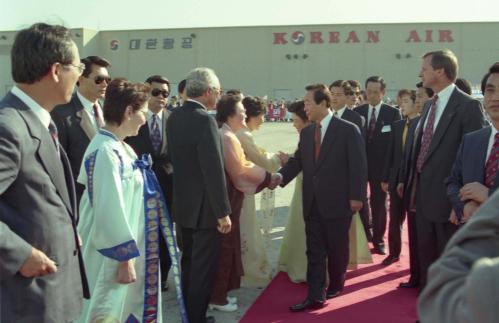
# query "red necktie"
(317, 140)
(55, 135)
(372, 126)
(491, 164)
(427, 135)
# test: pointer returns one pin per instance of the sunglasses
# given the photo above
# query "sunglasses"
(156, 92)
(99, 79)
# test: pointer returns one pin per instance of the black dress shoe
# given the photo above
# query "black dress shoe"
(379, 249)
(307, 304)
(210, 319)
(408, 284)
(389, 260)
(333, 293)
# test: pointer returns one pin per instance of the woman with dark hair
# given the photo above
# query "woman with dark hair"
(121, 246)
(292, 256)
(257, 270)
(243, 177)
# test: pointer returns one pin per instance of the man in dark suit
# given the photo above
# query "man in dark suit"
(151, 139)
(474, 174)
(42, 277)
(445, 119)
(340, 90)
(391, 173)
(200, 202)
(333, 160)
(379, 119)
(79, 120)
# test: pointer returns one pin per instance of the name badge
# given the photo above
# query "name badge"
(386, 128)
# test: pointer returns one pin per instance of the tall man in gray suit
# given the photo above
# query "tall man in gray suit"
(79, 120)
(200, 201)
(42, 277)
(445, 119)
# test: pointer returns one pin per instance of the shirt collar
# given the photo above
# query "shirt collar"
(340, 112)
(377, 106)
(192, 100)
(444, 95)
(150, 113)
(89, 106)
(40, 112)
(325, 121)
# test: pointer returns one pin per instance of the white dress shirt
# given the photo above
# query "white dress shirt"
(339, 113)
(159, 118)
(376, 112)
(443, 99)
(325, 124)
(40, 112)
(492, 139)
(88, 106)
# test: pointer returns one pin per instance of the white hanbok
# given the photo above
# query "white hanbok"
(112, 228)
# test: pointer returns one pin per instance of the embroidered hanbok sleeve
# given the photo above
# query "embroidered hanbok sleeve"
(111, 232)
(245, 175)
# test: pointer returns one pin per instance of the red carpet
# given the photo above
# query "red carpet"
(370, 295)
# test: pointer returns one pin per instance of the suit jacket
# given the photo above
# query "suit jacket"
(469, 166)
(394, 155)
(75, 132)
(462, 114)
(37, 209)
(378, 147)
(406, 162)
(199, 186)
(161, 166)
(462, 283)
(338, 176)
(355, 118)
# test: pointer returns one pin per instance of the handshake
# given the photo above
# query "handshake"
(275, 180)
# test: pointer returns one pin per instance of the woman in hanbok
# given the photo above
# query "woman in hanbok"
(257, 269)
(121, 213)
(292, 256)
(243, 177)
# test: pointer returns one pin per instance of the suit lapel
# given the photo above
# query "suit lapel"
(84, 118)
(443, 123)
(47, 152)
(326, 144)
(482, 147)
(380, 121)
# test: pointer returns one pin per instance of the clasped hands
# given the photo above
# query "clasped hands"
(275, 180)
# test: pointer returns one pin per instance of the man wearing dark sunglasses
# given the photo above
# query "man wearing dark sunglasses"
(79, 120)
(151, 139)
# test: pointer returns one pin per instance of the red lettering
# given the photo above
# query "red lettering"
(316, 37)
(429, 38)
(279, 39)
(334, 37)
(373, 36)
(445, 36)
(413, 37)
(352, 37)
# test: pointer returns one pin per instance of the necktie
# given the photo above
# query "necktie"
(372, 125)
(155, 134)
(491, 164)
(404, 133)
(98, 120)
(427, 134)
(55, 136)
(317, 140)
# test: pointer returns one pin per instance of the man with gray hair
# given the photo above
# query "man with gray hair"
(200, 201)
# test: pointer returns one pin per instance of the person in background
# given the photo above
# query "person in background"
(464, 85)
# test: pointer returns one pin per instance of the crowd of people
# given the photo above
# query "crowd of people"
(107, 188)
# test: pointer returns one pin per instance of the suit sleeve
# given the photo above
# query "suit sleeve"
(357, 165)
(211, 162)
(293, 167)
(14, 250)
(455, 181)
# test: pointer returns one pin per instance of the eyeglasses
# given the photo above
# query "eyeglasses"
(80, 67)
(99, 79)
(156, 92)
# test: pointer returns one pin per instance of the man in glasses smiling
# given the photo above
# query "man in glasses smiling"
(79, 120)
